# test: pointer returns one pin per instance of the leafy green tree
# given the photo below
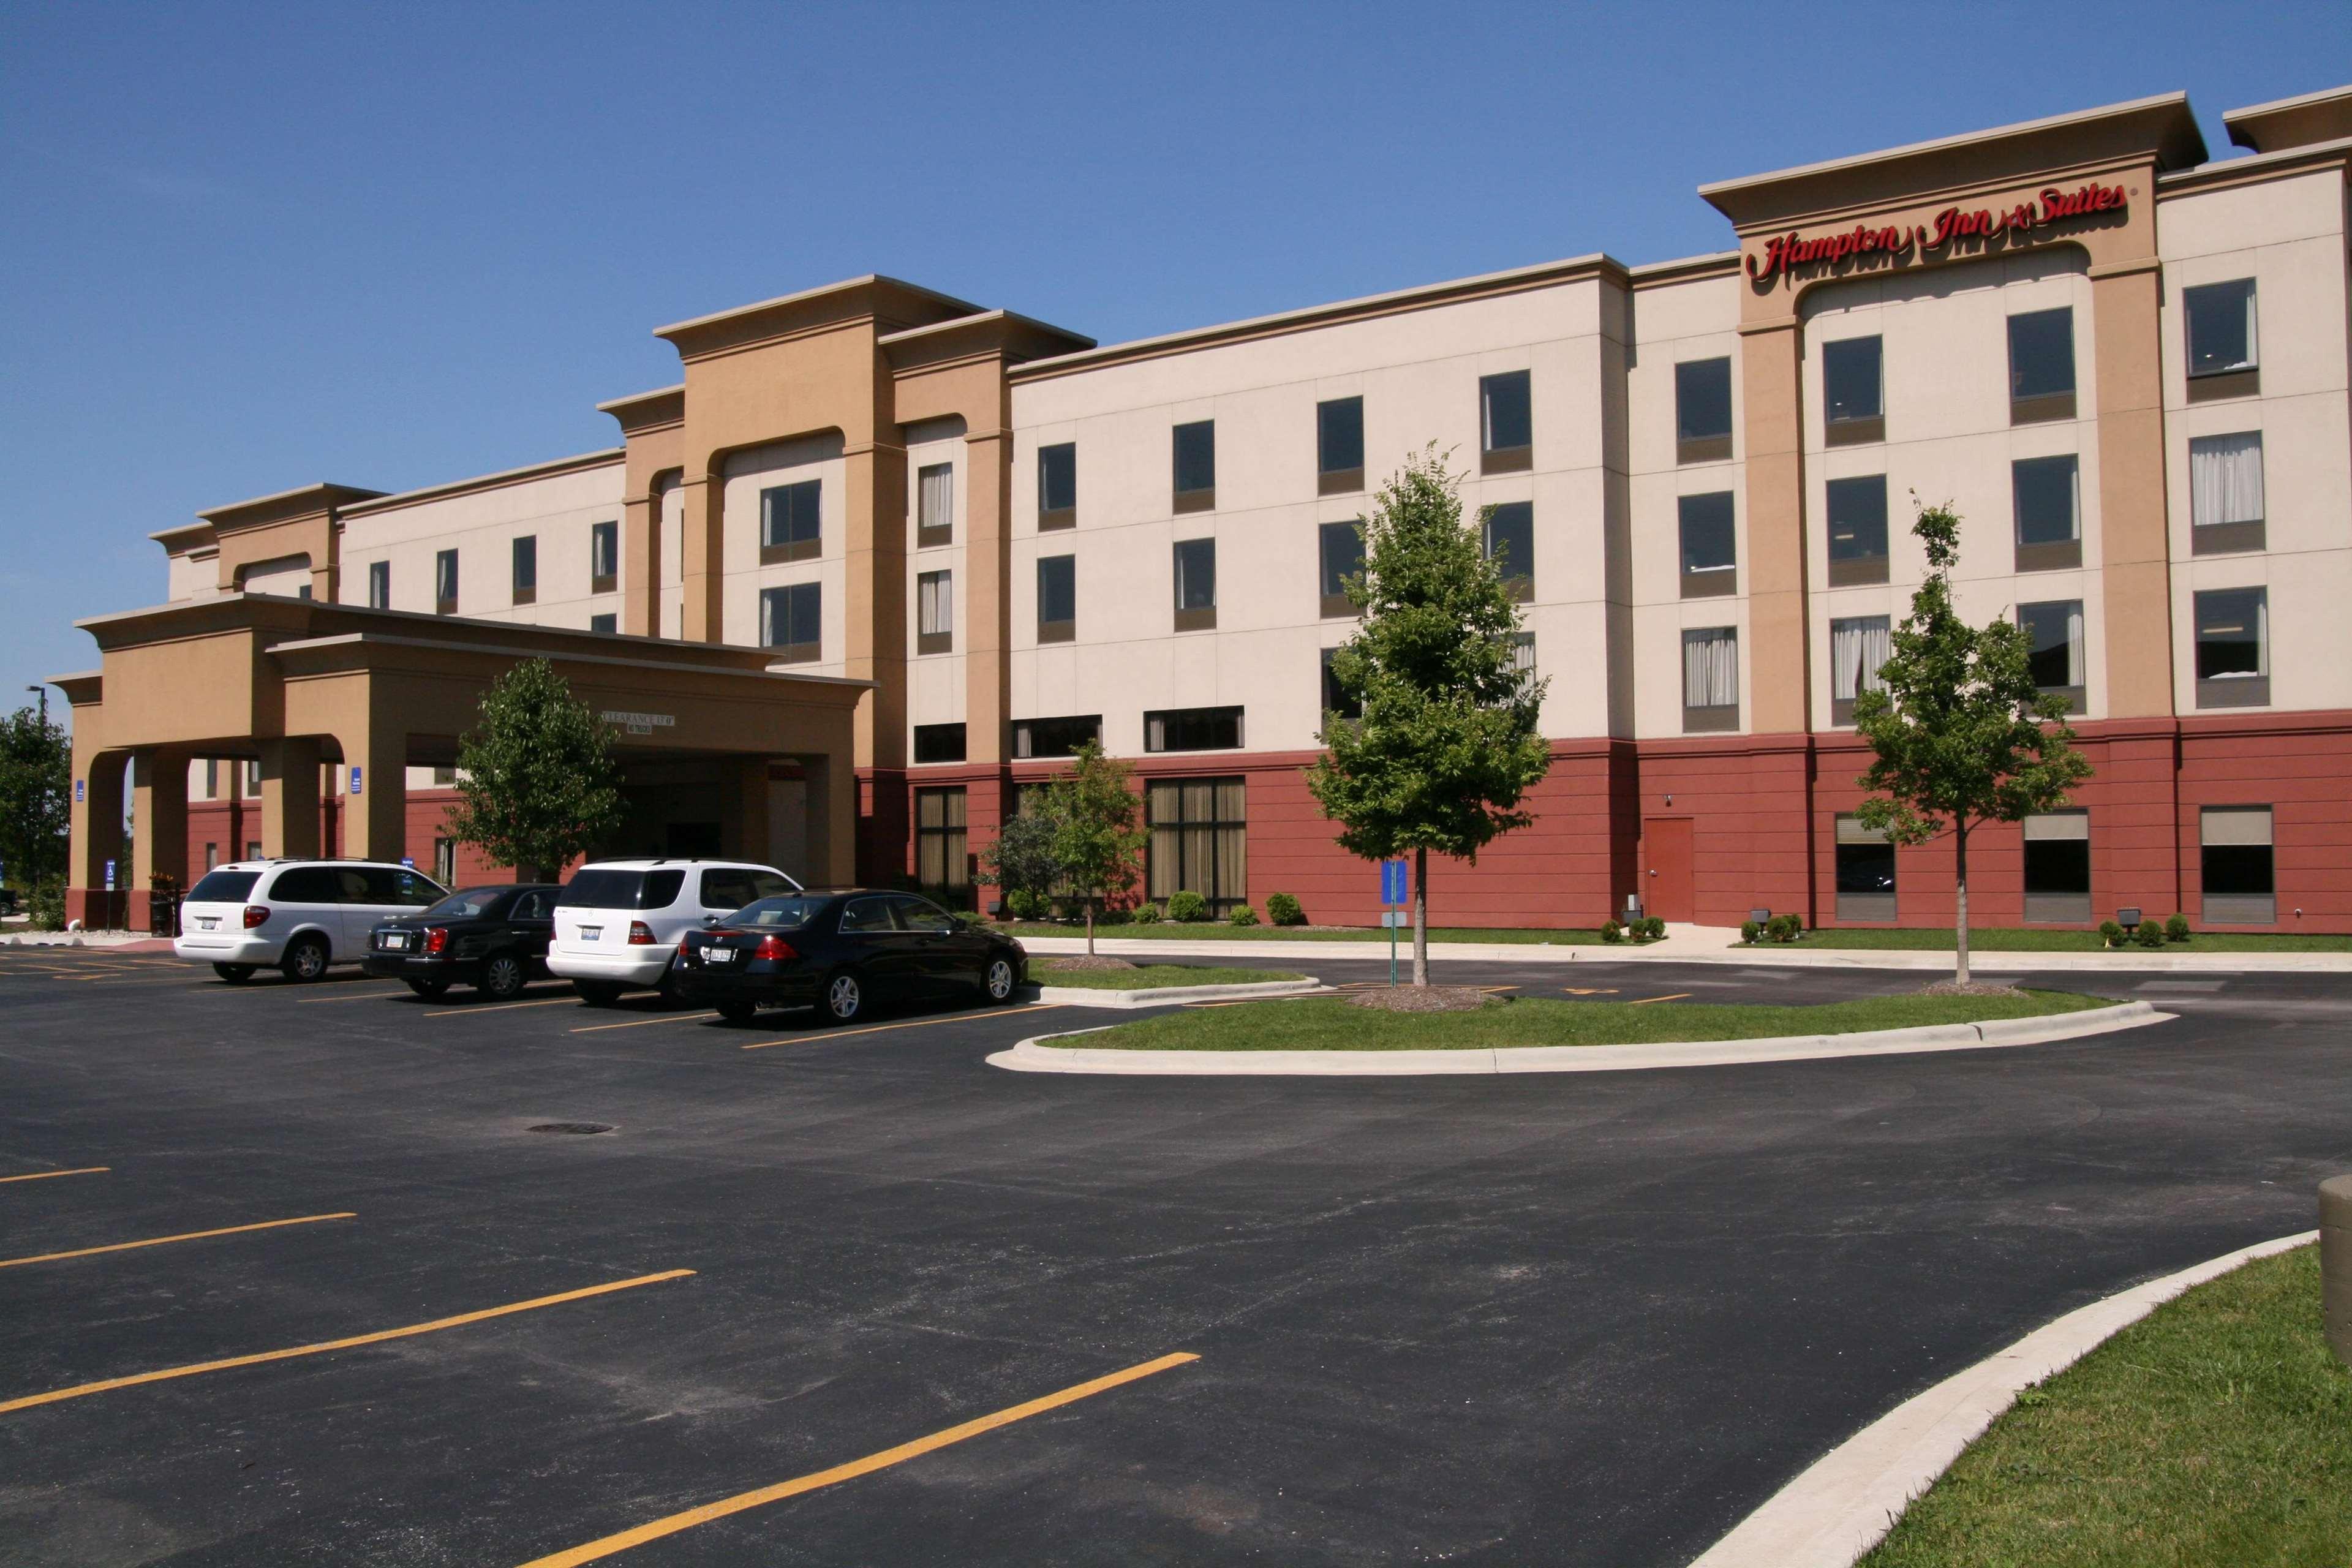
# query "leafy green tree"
(1962, 735)
(36, 798)
(537, 782)
(1447, 743)
(1026, 859)
(1098, 832)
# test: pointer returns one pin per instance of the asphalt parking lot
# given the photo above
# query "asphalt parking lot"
(1592, 1318)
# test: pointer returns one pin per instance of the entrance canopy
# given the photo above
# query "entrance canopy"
(298, 684)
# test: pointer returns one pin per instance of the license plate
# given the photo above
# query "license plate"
(590, 934)
(208, 922)
(718, 955)
(396, 939)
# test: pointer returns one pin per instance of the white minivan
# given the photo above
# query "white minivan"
(618, 923)
(296, 915)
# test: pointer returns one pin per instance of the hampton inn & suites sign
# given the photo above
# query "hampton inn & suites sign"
(1784, 253)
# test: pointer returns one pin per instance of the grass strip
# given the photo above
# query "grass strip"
(1328, 1024)
(2030, 939)
(1149, 976)
(1217, 930)
(2214, 1433)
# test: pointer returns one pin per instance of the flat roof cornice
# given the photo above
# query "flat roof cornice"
(874, 295)
(2287, 124)
(304, 501)
(551, 469)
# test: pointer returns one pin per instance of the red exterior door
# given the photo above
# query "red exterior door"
(1666, 866)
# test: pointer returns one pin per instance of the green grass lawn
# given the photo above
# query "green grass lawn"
(2031, 938)
(1217, 930)
(1328, 1024)
(1146, 976)
(2214, 1433)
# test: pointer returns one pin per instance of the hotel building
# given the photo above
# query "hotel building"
(882, 556)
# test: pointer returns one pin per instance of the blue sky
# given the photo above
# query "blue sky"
(252, 247)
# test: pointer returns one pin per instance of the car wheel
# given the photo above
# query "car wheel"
(305, 959)
(502, 977)
(845, 998)
(737, 1012)
(999, 980)
(235, 974)
(431, 990)
(597, 992)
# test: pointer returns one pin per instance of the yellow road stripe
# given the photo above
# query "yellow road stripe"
(612, 1545)
(641, 1022)
(45, 1176)
(1590, 989)
(81, 1390)
(876, 1028)
(1670, 996)
(162, 1240)
(504, 1007)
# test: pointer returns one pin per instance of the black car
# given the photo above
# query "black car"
(493, 938)
(842, 950)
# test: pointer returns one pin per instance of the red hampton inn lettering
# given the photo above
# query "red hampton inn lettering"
(1786, 252)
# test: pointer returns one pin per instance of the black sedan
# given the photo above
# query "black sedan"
(493, 938)
(842, 951)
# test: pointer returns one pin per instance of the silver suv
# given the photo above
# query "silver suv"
(296, 915)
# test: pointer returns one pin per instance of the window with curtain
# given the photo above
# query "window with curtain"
(1523, 656)
(445, 582)
(1200, 840)
(935, 504)
(379, 584)
(1505, 422)
(604, 557)
(1858, 647)
(2225, 492)
(789, 526)
(1057, 737)
(941, 865)
(2053, 632)
(2233, 642)
(789, 619)
(934, 612)
(2222, 322)
(1196, 585)
(1192, 729)
(1711, 678)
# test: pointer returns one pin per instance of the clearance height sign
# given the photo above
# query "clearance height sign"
(1785, 253)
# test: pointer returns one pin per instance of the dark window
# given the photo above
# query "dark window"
(2222, 328)
(1505, 422)
(1509, 537)
(307, 885)
(604, 557)
(941, 865)
(790, 621)
(1196, 466)
(444, 582)
(1711, 680)
(379, 584)
(2049, 527)
(1055, 737)
(920, 914)
(860, 915)
(223, 887)
(1865, 872)
(1340, 546)
(1340, 446)
(939, 743)
(732, 887)
(1702, 410)
(2058, 867)
(2238, 864)
(2233, 664)
(1710, 555)
(1057, 599)
(1192, 729)
(789, 526)
(934, 612)
(1057, 485)
(1338, 699)
(1857, 529)
(1200, 840)
(1853, 404)
(604, 623)
(2053, 629)
(602, 889)
(1196, 585)
(526, 569)
(789, 912)
(2042, 366)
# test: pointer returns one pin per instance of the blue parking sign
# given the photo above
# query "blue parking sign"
(355, 781)
(1394, 883)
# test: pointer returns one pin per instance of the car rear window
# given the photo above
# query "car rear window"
(223, 887)
(607, 890)
(467, 906)
(788, 913)
(732, 888)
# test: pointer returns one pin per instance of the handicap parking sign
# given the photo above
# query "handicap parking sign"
(1393, 882)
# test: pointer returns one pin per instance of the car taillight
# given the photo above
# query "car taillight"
(774, 947)
(640, 934)
(437, 939)
(255, 915)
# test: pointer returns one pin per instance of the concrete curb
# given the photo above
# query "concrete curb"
(1034, 1055)
(1162, 996)
(1851, 1496)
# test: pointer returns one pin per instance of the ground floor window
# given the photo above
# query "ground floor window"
(1200, 840)
(212, 856)
(2238, 864)
(940, 863)
(1865, 872)
(444, 861)
(253, 849)
(2058, 867)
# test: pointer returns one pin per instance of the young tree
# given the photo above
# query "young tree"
(36, 795)
(1962, 735)
(1026, 859)
(1099, 839)
(537, 783)
(1447, 743)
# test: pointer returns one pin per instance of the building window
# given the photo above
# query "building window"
(1523, 658)
(1340, 446)
(939, 743)
(2238, 865)
(212, 856)
(1200, 840)
(1508, 535)
(1859, 648)
(789, 621)
(2058, 868)
(379, 584)
(444, 861)
(1865, 872)
(789, 526)
(1857, 529)
(2224, 349)
(1709, 548)
(212, 778)
(1506, 423)
(604, 557)
(444, 778)
(604, 623)
(444, 582)
(2225, 493)
(526, 570)
(940, 864)
(2046, 494)
(1854, 405)
(2053, 632)
(2041, 366)
(1055, 737)
(1340, 546)
(1196, 585)
(1057, 599)
(1710, 680)
(1337, 699)
(1703, 410)
(253, 851)
(2234, 648)
(1196, 466)
(934, 612)
(1057, 486)
(252, 776)
(934, 505)
(1192, 729)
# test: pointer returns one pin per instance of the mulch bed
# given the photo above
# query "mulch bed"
(1424, 999)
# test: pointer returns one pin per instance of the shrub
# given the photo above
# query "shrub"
(1026, 905)
(1284, 910)
(2175, 929)
(1113, 915)
(47, 904)
(1147, 914)
(1750, 931)
(2149, 934)
(1242, 915)
(1611, 932)
(1785, 928)
(2111, 934)
(1187, 906)
(1653, 927)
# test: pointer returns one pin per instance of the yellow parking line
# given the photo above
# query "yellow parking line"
(380, 1336)
(1670, 996)
(641, 1022)
(504, 1007)
(45, 1176)
(1590, 989)
(162, 1240)
(612, 1545)
(877, 1028)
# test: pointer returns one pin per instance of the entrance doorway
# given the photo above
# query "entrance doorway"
(1666, 856)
